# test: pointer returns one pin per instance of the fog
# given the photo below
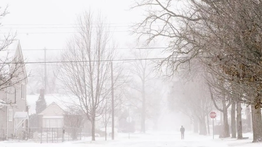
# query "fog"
(95, 72)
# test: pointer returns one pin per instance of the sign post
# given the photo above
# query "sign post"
(213, 116)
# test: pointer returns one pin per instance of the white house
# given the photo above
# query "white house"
(52, 116)
(13, 110)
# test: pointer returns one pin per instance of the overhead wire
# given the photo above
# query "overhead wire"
(85, 61)
(64, 26)
(118, 48)
(71, 26)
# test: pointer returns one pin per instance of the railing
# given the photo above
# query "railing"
(53, 135)
(19, 124)
(20, 134)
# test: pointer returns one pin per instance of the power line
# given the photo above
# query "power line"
(86, 61)
(118, 26)
(54, 27)
(113, 25)
(121, 48)
(65, 32)
(64, 24)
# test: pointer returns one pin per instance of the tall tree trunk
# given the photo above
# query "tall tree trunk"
(256, 121)
(248, 114)
(105, 131)
(233, 120)
(202, 126)
(225, 121)
(93, 129)
(239, 121)
(143, 120)
(208, 128)
(195, 126)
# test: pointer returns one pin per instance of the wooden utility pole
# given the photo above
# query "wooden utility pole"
(106, 121)
(45, 76)
(113, 105)
(143, 119)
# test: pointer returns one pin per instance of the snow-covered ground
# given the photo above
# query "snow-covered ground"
(150, 139)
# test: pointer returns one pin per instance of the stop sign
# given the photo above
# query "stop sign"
(213, 114)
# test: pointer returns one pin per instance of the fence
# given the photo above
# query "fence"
(53, 135)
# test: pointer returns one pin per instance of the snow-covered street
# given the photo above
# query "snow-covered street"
(156, 139)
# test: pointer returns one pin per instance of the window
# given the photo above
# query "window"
(18, 92)
(11, 95)
(52, 123)
(23, 91)
(10, 114)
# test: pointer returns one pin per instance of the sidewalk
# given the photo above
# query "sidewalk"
(151, 139)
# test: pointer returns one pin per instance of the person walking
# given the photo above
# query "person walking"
(182, 131)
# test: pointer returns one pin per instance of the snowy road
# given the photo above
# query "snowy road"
(167, 140)
(145, 140)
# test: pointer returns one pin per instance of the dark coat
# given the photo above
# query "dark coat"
(182, 129)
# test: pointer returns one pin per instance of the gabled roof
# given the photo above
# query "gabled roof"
(13, 53)
(52, 110)
(63, 101)
(8, 53)
(21, 115)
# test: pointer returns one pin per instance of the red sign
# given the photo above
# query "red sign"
(213, 114)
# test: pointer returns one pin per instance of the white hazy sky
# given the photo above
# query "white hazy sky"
(49, 24)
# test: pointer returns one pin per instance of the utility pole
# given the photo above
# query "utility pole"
(113, 105)
(106, 121)
(143, 122)
(45, 69)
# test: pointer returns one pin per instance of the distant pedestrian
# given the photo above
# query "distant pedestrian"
(182, 131)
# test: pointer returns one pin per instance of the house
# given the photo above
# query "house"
(55, 117)
(54, 120)
(58, 106)
(13, 109)
(52, 117)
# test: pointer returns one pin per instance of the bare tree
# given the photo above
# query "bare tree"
(12, 68)
(74, 121)
(226, 35)
(142, 73)
(44, 76)
(86, 68)
(222, 103)
(195, 104)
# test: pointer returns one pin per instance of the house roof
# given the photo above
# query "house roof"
(12, 52)
(21, 115)
(52, 110)
(63, 101)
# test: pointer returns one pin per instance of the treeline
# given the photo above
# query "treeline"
(224, 37)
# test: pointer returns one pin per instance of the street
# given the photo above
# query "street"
(151, 139)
